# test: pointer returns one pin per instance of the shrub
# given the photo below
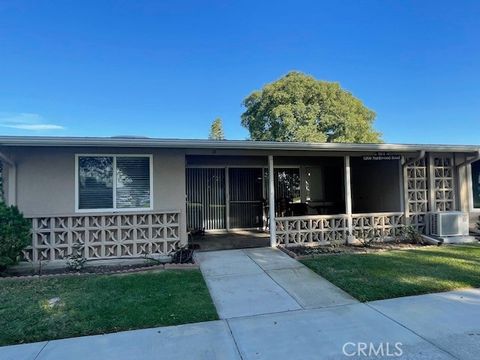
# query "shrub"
(76, 261)
(183, 255)
(411, 235)
(14, 235)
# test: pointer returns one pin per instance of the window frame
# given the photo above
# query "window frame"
(114, 209)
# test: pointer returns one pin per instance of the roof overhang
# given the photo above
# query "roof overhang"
(225, 144)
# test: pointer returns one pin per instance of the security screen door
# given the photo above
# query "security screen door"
(246, 198)
(207, 199)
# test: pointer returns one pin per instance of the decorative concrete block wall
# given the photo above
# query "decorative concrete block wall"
(103, 236)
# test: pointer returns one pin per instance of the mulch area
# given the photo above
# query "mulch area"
(306, 252)
(96, 270)
(182, 259)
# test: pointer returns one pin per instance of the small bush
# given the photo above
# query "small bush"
(183, 255)
(76, 261)
(14, 235)
(411, 235)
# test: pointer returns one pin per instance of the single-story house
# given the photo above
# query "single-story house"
(134, 196)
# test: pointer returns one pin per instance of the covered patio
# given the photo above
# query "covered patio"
(314, 199)
(371, 206)
(383, 193)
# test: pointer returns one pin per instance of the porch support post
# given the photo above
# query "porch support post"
(404, 188)
(271, 203)
(227, 199)
(431, 189)
(348, 198)
(431, 183)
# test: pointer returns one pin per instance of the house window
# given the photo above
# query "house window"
(114, 182)
(476, 184)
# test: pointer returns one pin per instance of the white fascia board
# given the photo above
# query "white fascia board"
(224, 144)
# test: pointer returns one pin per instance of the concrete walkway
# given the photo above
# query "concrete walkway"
(263, 281)
(293, 324)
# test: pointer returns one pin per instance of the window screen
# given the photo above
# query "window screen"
(95, 183)
(133, 182)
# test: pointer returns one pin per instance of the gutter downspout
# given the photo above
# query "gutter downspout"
(12, 179)
(420, 156)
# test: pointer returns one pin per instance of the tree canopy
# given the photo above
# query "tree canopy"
(216, 130)
(298, 107)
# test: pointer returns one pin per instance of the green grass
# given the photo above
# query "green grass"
(96, 304)
(399, 273)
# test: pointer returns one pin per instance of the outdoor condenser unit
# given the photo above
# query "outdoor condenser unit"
(452, 223)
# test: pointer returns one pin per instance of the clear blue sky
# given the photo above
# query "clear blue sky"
(167, 69)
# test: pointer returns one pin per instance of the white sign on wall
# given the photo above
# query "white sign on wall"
(381, 156)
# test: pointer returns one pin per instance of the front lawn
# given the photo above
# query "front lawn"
(96, 304)
(392, 274)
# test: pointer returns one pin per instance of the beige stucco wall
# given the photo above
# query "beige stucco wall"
(463, 194)
(46, 179)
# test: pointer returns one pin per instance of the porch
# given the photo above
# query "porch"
(318, 199)
(234, 239)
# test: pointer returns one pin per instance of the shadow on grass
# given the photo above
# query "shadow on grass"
(401, 273)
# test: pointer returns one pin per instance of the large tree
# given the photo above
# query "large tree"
(216, 130)
(298, 107)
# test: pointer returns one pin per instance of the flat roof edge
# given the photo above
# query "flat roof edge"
(223, 144)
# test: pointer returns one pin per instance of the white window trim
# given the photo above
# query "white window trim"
(471, 206)
(114, 188)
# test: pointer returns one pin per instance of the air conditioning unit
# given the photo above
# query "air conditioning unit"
(453, 223)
